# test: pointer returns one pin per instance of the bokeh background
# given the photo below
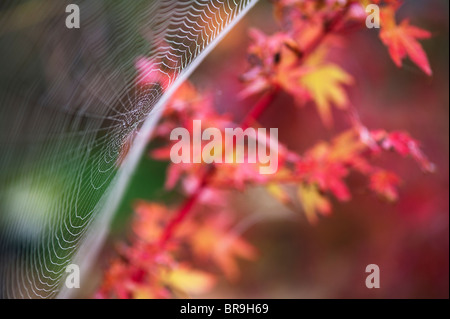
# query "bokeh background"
(409, 240)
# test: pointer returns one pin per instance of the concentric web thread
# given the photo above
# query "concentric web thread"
(76, 109)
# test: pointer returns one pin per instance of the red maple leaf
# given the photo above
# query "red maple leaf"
(401, 40)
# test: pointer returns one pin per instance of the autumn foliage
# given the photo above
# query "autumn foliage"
(157, 260)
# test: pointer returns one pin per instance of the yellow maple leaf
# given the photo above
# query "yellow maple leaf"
(324, 84)
(279, 193)
(189, 280)
(313, 202)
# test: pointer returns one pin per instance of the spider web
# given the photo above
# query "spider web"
(76, 112)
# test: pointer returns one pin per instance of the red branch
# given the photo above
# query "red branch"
(210, 170)
(187, 206)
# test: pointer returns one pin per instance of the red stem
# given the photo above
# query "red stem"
(210, 171)
(187, 206)
(260, 107)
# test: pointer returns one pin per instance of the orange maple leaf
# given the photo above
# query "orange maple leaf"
(385, 183)
(215, 240)
(401, 40)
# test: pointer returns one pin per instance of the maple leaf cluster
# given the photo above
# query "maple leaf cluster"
(296, 59)
(149, 267)
(158, 261)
